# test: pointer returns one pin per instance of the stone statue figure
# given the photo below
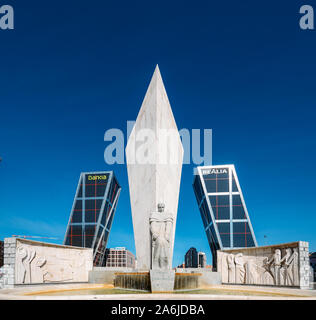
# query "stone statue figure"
(275, 266)
(240, 269)
(231, 268)
(289, 269)
(251, 272)
(161, 225)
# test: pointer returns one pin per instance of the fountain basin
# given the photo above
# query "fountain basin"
(142, 281)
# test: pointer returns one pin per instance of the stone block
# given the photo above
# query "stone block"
(210, 279)
(49, 262)
(10, 271)
(10, 240)
(241, 266)
(102, 276)
(162, 280)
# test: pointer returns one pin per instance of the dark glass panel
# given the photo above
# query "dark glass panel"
(238, 208)
(205, 210)
(80, 191)
(78, 205)
(91, 191)
(234, 185)
(76, 230)
(203, 216)
(241, 227)
(106, 236)
(214, 236)
(67, 242)
(220, 206)
(224, 232)
(89, 235)
(250, 242)
(112, 191)
(76, 241)
(76, 217)
(92, 209)
(98, 238)
(197, 187)
(75, 233)
(110, 220)
(239, 240)
(105, 213)
(217, 180)
(242, 235)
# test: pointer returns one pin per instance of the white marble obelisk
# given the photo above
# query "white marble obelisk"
(154, 156)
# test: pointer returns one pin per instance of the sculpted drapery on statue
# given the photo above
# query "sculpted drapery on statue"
(161, 225)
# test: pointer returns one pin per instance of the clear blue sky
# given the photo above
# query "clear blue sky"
(73, 69)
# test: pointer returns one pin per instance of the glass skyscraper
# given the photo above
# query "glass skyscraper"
(92, 213)
(191, 258)
(223, 209)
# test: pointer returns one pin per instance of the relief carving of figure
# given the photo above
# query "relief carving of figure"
(289, 268)
(25, 257)
(231, 268)
(38, 270)
(275, 266)
(161, 225)
(240, 269)
(21, 254)
(251, 272)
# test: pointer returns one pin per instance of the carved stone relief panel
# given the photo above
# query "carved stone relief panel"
(271, 265)
(38, 262)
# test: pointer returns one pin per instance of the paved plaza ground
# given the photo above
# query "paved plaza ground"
(88, 291)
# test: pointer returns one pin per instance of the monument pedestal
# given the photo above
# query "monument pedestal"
(162, 280)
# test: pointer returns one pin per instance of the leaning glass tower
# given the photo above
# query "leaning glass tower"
(223, 209)
(92, 213)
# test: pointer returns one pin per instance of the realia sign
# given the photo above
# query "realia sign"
(215, 171)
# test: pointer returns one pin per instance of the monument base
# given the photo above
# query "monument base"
(162, 280)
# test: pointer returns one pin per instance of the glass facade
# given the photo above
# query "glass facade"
(223, 209)
(93, 212)
(191, 258)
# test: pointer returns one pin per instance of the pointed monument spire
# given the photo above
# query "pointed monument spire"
(154, 156)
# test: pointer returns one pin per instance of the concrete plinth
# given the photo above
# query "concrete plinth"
(162, 280)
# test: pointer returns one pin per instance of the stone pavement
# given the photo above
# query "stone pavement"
(222, 292)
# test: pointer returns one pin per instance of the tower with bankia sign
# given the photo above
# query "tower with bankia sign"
(92, 213)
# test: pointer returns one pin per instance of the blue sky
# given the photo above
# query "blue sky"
(70, 71)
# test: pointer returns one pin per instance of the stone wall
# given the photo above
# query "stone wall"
(7, 270)
(31, 262)
(278, 265)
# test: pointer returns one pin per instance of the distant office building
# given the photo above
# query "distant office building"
(1, 253)
(312, 261)
(201, 260)
(191, 258)
(92, 213)
(119, 258)
(223, 209)
(182, 265)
